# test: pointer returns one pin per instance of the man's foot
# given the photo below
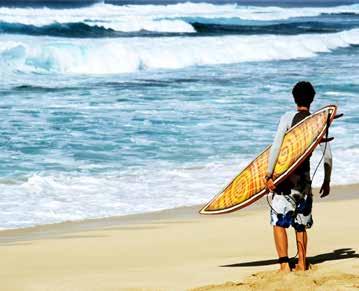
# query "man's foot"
(300, 267)
(284, 268)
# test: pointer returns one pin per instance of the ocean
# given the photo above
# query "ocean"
(111, 108)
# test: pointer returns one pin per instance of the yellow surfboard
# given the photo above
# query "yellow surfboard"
(298, 143)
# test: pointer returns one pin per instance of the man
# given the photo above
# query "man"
(292, 199)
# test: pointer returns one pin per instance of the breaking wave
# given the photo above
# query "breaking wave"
(179, 28)
(104, 19)
(123, 55)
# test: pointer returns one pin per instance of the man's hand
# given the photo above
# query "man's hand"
(269, 184)
(325, 189)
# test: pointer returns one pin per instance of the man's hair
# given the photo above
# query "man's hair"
(303, 93)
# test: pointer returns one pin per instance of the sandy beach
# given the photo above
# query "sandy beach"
(181, 250)
(119, 118)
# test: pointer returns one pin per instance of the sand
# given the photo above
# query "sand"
(181, 250)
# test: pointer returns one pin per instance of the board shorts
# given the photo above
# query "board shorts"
(294, 209)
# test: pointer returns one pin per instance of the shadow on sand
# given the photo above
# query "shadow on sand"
(340, 254)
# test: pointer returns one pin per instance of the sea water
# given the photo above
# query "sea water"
(116, 109)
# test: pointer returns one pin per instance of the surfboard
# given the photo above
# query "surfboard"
(249, 185)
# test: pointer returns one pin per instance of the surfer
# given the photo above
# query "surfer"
(292, 198)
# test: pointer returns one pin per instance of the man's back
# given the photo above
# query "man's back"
(292, 199)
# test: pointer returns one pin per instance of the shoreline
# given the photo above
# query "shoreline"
(338, 192)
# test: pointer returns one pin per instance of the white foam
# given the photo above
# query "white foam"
(122, 55)
(158, 17)
(54, 197)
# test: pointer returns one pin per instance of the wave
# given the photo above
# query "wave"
(124, 55)
(42, 198)
(58, 4)
(57, 196)
(159, 18)
(355, 14)
(291, 28)
(72, 30)
(82, 30)
(40, 89)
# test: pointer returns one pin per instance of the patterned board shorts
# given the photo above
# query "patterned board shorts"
(293, 210)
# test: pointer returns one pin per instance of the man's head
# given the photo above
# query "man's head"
(303, 93)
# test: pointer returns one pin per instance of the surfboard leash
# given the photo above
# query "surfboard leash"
(326, 140)
(325, 147)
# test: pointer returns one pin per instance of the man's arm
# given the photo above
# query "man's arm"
(328, 164)
(283, 126)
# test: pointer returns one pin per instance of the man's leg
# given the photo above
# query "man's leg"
(302, 240)
(303, 221)
(281, 244)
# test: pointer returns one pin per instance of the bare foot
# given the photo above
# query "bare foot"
(284, 268)
(299, 267)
